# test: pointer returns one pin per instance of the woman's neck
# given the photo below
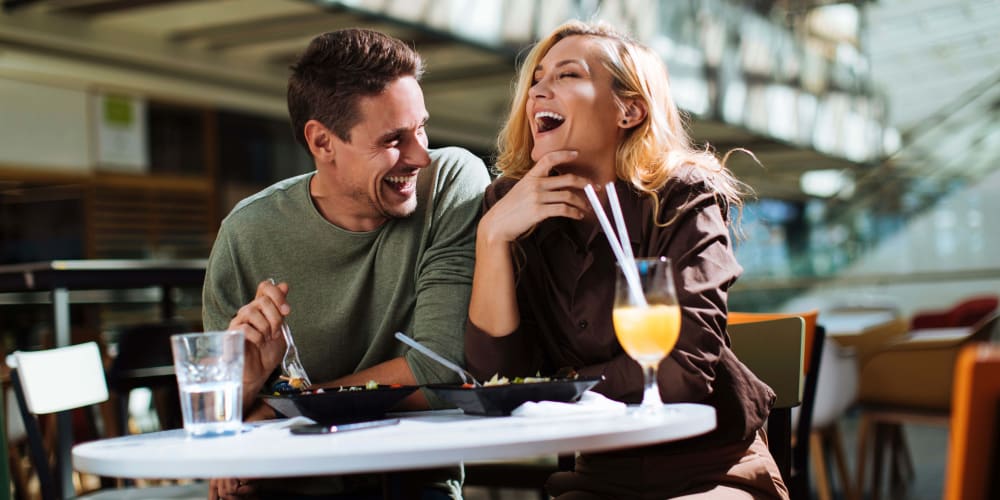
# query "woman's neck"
(596, 174)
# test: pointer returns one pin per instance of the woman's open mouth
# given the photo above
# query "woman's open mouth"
(546, 121)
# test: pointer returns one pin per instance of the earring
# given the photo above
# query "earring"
(625, 121)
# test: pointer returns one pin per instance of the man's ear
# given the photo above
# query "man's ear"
(631, 113)
(321, 141)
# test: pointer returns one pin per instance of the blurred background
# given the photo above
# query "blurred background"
(129, 128)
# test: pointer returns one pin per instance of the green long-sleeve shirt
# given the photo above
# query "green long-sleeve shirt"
(351, 291)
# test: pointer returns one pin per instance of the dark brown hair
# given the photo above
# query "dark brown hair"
(337, 69)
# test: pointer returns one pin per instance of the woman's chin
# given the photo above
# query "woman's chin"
(538, 151)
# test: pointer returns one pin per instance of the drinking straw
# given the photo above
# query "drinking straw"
(616, 212)
(627, 265)
(626, 243)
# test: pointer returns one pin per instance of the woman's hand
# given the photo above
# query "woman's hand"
(260, 321)
(536, 197)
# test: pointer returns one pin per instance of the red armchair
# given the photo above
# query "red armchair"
(966, 313)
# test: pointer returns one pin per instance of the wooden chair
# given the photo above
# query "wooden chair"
(973, 469)
(908, 380)
(773, 350)
(62, 379)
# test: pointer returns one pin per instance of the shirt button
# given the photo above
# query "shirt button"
(582, 324)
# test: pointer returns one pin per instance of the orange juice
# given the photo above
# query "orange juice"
(647, 333)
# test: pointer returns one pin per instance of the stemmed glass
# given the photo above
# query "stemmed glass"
(648, 332)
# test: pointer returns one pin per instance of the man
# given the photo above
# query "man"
(378, 239)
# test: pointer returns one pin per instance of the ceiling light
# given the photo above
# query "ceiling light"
(826, 183)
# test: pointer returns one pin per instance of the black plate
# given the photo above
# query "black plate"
(500, 400)
(337, 407)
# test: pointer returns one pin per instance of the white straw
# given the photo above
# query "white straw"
(616, 212)
(626, 243)
(627, 265)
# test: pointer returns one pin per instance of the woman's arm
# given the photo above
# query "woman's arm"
(705, 267)
(535, 197)
(493, 304)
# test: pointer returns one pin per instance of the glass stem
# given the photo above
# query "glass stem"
(651, 395)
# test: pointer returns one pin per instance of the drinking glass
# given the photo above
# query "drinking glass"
(648, 331)
(209, 369)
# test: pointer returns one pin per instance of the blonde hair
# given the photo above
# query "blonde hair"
(653, 149)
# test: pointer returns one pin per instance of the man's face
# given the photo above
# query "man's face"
(376, 172)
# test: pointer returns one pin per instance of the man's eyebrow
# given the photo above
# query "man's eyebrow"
(392, 134)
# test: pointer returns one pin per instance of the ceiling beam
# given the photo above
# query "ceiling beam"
(91, 9)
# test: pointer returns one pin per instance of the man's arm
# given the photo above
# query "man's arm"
(444, 274)
(226, 305)
(394, 371)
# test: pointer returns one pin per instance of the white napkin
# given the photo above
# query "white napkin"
(591, 403)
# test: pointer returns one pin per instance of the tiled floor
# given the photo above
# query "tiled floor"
(928, 447)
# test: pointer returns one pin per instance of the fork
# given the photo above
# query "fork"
(466, 376)
(291, 366)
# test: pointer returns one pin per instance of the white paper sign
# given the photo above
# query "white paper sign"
(121, 133)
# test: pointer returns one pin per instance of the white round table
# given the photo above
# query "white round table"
(423, 440)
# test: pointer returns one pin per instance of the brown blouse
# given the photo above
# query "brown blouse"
(565, 291)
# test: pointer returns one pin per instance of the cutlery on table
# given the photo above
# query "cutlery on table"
(466, 376)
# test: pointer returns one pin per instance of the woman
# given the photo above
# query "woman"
(593, 106)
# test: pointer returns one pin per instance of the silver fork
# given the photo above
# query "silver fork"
(462, 372)
(291, 365)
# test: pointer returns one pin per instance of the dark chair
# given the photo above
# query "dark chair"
(773, 350)
(799, 486)
(144, 359)
(813, 342)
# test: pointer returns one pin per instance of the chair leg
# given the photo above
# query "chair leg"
(121, 402)
(818, 458)
(881, 438)
(18, 474)
(903, 455)
(864, 431)
(895, 473)
(836, 444)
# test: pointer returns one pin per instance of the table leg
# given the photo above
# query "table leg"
(60, 311)
(64, 422)
(166, 302)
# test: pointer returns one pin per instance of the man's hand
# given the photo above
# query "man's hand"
(264, 346)
(229, 488)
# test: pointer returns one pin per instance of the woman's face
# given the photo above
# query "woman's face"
(571, 105)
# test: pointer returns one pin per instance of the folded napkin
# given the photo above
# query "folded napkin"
(591, 403)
